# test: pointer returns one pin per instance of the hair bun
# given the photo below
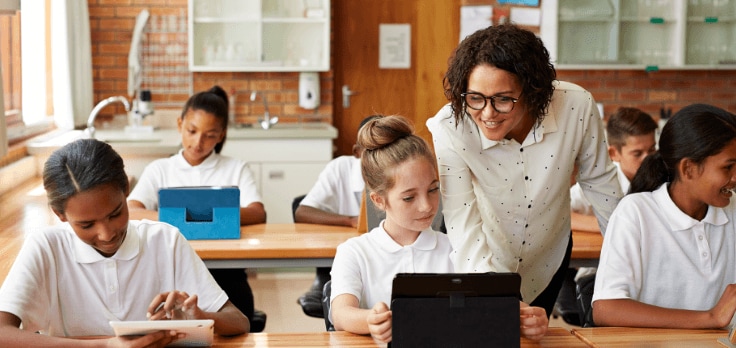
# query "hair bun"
(383, 131)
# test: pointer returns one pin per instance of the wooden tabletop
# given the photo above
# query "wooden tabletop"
(267, 241)
(556, 338)
(25, 209)
(650, 338)
(586, 245)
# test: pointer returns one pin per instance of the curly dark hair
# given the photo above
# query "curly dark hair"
(510, 48)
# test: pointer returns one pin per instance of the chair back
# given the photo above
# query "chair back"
(326, 293)
(584, 294)
(295, 204)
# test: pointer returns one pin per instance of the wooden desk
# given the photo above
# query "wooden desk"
(275, 245)
(556, 338)
(311, 245)
(651, 338)
(586, 249)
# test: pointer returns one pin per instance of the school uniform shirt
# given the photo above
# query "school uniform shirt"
(507, 205)
(61, 286)
(175, 171)
(581, 205)
(339, 187)
(656, 254)
(365, 266)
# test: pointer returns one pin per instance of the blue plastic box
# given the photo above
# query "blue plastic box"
(202, 212)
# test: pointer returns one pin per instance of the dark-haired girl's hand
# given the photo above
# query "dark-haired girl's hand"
(174, 305)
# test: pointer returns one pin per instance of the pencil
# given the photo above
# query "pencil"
(583, 338)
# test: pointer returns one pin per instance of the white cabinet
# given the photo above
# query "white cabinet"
(646, 34)
(283, 168)
(259, 35)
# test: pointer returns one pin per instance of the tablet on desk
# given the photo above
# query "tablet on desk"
(199, 333)
(455, 310)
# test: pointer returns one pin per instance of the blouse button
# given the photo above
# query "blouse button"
(705, 254)
(700, 237)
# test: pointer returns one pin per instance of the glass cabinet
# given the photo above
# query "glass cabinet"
(632, 34)
(259, 35)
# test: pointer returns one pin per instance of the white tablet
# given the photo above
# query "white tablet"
(199, 332)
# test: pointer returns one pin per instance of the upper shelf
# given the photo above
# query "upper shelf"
(259, 35)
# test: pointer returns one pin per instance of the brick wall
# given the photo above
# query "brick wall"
(650, 91)
(112, 22)
(111, 26)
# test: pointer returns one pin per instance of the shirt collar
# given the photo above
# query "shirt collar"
(426, 240)
(536, 134)
(85, 253)
(181, 163)
(678, 220)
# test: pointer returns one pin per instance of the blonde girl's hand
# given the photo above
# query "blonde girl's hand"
(379, 322)
(152, 340)
(174, 305)
(533, 321)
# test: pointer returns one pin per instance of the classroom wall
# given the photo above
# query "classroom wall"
(111, 23)
(111, 26)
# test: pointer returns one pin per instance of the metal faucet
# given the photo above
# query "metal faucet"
(96, 110)
(267, 121)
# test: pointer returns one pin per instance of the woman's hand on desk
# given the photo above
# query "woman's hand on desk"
(533, 321)
(379, 322)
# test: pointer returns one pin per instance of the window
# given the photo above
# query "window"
(11, 67)
(23, 71)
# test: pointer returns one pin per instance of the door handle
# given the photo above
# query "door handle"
(346, 93)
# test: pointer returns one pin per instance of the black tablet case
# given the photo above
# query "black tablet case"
(455, 310)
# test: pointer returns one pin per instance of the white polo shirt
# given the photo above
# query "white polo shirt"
(365, 266)
(175, 171)
(656, 254)
(339, 187)
(62, 286)
(506, 204)
(581, 205)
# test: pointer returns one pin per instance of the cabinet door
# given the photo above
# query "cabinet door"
(282, 182)
(632, 34)
(259, 35)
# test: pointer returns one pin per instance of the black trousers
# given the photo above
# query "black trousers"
(548, 297)
(234, 282)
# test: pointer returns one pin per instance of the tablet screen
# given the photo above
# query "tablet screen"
(199, 333)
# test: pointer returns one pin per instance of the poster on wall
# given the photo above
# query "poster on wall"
(519, 2)
(394, 47)
(473, 18)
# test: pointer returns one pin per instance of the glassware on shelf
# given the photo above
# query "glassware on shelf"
(585, 8)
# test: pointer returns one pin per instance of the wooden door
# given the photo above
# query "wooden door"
(416, 92)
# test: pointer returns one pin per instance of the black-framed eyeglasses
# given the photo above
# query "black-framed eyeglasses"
(501, 104)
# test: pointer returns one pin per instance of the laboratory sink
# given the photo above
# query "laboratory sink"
(283, 130)
(166, 141)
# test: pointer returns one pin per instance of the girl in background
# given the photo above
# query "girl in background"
(203, 128)
(670, 249)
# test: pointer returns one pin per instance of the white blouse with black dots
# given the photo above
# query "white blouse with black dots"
(507, 205)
